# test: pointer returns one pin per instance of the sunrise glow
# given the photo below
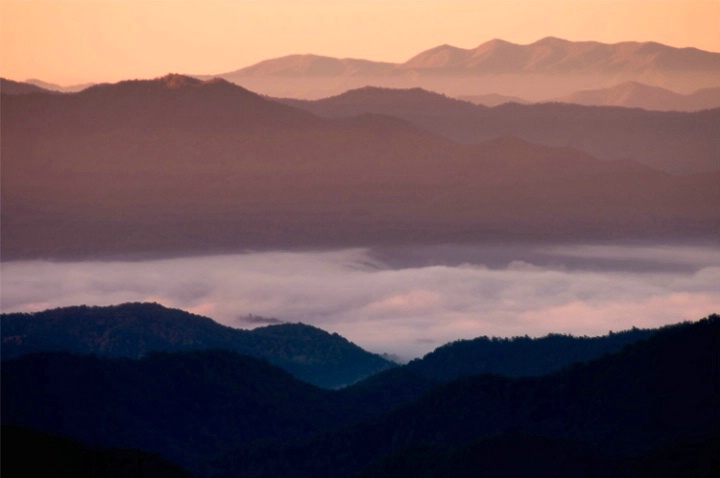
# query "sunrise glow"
(80, 41)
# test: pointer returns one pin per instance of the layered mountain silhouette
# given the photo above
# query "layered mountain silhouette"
(135, 330)
(182, 405)
(493, 99)
(545, 69)
(520, 356)
(313, 65)
(10, 87)
(59, 88)
(59, 456)
(674, 142)
(632, 94)
(217, 413)
(178, 165)
(651, 405)
(560, 56)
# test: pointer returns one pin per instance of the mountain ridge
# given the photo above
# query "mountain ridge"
(546, 54)
(539, 71)
(615, 411)
(222, 414)
(633, 94)
(176, 166)
(605, 132)
(135, 329)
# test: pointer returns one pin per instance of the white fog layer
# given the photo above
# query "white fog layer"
(403, 301)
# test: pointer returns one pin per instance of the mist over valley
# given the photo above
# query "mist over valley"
(500, 260)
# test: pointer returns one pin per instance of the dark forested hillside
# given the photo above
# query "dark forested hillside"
(514, 357)
(636, 410)
(519, 356)
(183, 405)
(28, 454)
(133, 330)
(654, 405)
(518, 456)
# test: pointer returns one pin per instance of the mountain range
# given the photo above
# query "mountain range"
(632, 94)
(651, 138)
(615, 416)
(11, 87)
(135, 330)
(550, 69)
(641, 398)
(545, 69)
(177, 165)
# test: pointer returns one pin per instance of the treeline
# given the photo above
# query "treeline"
(652, 406)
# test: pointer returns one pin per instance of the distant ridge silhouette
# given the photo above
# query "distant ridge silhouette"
(632, 94)
(610, 133)
(176, 165)
(539, 71)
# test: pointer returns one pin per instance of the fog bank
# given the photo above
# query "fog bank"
(404, 301)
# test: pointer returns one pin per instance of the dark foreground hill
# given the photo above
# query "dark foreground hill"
(177, 166)
(185, 406)
(654, 404)
(509, 357)
(28, 453)
(519, 356)
(134, 330)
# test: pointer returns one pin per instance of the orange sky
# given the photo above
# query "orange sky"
(76, 41)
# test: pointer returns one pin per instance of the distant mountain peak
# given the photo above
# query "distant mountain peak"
(311, 65)
(497, 42)
(443, 56)
(175, 80)
(550, 40)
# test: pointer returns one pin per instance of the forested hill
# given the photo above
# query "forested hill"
(509, 357)
(134, 329)
(519, 356)
(652, 408)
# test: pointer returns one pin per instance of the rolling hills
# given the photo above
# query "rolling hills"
(176, 165)
(135, 330)
(632, 94)
(670, 141)
(221, 414)
(620, 415)
(539, 71)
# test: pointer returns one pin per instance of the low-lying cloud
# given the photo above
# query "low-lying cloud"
(405, 302)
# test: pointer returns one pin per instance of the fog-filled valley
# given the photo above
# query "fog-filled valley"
(499, 261)
(404, 300)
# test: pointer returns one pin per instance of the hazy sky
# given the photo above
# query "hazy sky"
(76, 41)
(407, 301)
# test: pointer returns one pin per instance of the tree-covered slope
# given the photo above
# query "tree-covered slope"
(519, 356)
(28, 453)
(653, 396)
(132, 330)
(182, 405)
